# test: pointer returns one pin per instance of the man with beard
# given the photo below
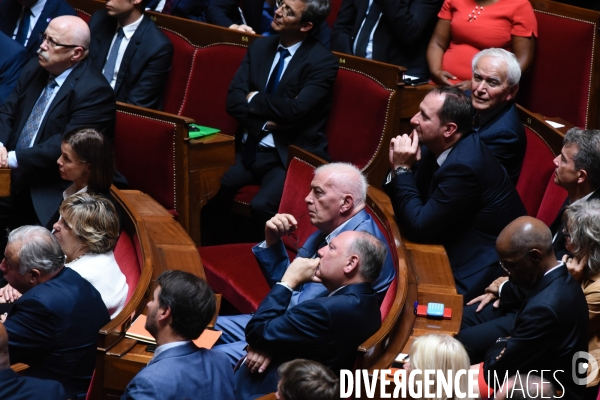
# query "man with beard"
(181, 307)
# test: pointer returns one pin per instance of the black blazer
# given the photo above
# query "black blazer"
(190, 9)
(145, 65)
(463, 205)
(401, 37)
(85, 99)
(11, 9)
(16, 387)
(302, 99)
(549, 329)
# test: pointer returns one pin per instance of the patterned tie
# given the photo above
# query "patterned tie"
(365, 32)
(21, 37)
(109, 67)
(168, 8)
(35, 118)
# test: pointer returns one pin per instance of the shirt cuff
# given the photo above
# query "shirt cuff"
(285, 285)
(251, 96)
(389, 178)
(12, 160)
(500, 288)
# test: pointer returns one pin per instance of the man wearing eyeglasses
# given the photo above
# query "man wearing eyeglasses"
(281, 94)
(56, 93)
(494, 85)
(551, 327)
(133, 54)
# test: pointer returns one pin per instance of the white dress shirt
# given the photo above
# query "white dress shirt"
(36, 10)
(128, 32)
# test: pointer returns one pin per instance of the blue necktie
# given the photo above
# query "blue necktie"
(277, 71)
(21, 37)
(35, 118)
(109, 67)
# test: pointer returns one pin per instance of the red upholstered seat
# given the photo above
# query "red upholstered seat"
(212, 71)
(128, 261)
(559, 82)
(179, 76)
(138, 140)
(232, 269)
(356, 123)
(536, 187)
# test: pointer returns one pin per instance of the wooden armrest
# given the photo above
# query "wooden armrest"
(213, 321)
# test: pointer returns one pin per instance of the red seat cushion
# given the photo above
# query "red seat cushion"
(181, 67)
(144, 152)
(233, 271)
(356, 123)
(127, 259)
(212, 72)
(563, 45)
(245, 194)
(536, 170)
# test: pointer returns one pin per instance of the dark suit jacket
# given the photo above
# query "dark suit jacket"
(302, 99)
(85, 99)
(12, 59)
(11, 9)
(463, 205)
(274, 260)
(550, 328)
(401, 37)
(324, 329)
(54, 328)
(190, 9)
(16, 387)
(146, 63)
(183, 372)
(505, 136)
(227, 12)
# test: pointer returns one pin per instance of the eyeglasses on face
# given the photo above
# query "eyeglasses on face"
(286, 11)
(509, 266)
(53, 43)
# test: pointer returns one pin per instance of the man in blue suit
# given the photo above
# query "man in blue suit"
(25, 20)
(458, 195)
(12, 59)
(181, 308)
(336, 203)
(54, 326)
(132, 53)
(494, 85)
(190, 9)
(328, 328)
(16, 387)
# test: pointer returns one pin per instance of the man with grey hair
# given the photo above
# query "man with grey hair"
(494, 85)
(328, 328)
(54, 326)
(336, 203)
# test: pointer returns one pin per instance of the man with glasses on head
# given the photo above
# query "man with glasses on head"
(281, 94)
(495, 82)
(552, 325)
(336, 203)
(57, 92)
(133, 54)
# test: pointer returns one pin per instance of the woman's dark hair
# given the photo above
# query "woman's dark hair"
(94, 148)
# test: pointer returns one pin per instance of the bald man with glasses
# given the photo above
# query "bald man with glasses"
(57, 92)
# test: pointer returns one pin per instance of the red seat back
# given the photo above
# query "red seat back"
(128, 261)
(335, 8)
(559, 83)
(179, 76)
(138, 140)
(205, 101)
(554, 197)
(83, 15)
(537, 169)
(356, 123)
(295, 189)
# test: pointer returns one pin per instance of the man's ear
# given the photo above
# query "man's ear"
(536, 255)
(34, 276)
(450, 129)
(78, 53)
(307, 26)
(513, 92)
(164, 314)
(346, 203)
(581, 176)
(351, 265)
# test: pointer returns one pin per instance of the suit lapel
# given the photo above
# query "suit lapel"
(41, 24)
(266, 62)
(297, 60)
(8, 22)
(132, 47)
(103, 39)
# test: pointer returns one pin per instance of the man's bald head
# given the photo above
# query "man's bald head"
(67, 42)
(4, 358)
(525, 251)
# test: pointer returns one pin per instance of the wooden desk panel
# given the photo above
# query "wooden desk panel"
(4, 182)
